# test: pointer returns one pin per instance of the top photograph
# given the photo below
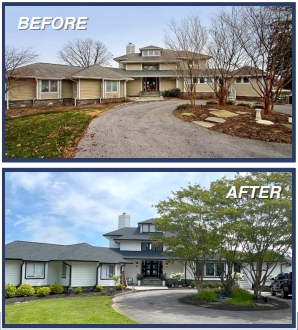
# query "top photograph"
(148, 82)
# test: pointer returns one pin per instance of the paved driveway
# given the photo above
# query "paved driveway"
(162, 307)
(149, 130)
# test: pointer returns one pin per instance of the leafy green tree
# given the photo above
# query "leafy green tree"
(183, 219)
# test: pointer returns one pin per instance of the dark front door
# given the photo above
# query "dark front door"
(151, 268)
(150, 84)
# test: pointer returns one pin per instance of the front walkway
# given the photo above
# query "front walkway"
(147, 288)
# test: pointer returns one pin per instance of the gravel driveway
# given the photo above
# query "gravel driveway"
(162, 307)
(150, 130)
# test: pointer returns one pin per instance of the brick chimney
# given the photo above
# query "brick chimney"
(123, 220)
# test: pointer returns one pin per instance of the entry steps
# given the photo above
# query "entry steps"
(151, 281)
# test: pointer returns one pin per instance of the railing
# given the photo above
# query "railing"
(232, 93)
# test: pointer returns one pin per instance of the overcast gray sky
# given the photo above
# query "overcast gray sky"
(115, 26)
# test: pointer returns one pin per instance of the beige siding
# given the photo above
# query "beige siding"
(47, 96)
(53, 272)
(121, 65)
(83, 273)
(166, 66)
(203, 88)
(12, 271)
(167, 83)
(23, 89)
(90, 88)
(180, 85)
(246, 89)
(132, 66)
(122, 88)
(67, 88)
(111, 95)
(133, 87)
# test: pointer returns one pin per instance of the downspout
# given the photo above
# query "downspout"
(69, 285)
(96, 281)
(33, 102)
(21, 275)
(77, 91)
(37, 88)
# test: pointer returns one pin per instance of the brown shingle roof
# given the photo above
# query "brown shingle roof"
(98, 71)
(247, 71)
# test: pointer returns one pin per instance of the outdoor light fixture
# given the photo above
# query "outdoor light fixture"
(137, 264)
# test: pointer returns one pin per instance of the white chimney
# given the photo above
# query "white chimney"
(123, 221)
(130, 48)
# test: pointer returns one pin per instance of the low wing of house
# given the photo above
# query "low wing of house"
(45, 83)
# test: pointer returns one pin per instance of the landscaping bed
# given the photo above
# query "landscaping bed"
(261, 304)
(105, 292)
(242, 125)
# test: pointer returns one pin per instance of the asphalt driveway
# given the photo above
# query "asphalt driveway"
(162, 307)
(149, 130)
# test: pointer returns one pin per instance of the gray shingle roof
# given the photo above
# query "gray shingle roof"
(150, 47)
(148, 221)
(144, 255)
(59, 71)
(247, 71)
(32, 251)
(166, 55)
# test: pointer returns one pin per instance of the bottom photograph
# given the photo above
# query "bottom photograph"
(139, 247)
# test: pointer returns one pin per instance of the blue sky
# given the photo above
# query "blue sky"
(77, 207)
(115, 26)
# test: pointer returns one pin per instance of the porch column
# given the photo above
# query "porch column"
(79, 89)
(103, 89)
(124, 88)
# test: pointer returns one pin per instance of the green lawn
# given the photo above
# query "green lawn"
(47, 135)
(79, 310)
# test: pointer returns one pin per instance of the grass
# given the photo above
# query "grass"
(207, 295)
(240, 297)
(80, 310)
(47, 135)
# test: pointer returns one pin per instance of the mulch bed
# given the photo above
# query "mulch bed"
(261, 304)
(243, 125)
(105, 292)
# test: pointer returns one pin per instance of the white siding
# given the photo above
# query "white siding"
(108, 282)
(83, 273)
(130, 246)
(112, 243)
(35, 281)
(13, 271)
(64, 281)
(53, 272)
(176, 267)
(131, 270)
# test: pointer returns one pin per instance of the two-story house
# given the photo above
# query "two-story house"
(150, 71)
(130, 250)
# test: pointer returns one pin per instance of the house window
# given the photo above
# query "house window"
(151, 53)
(63, 273)
(150, 67)
(111, 86)
(107, 271)
(213, 269)
(49, 86)
(150, 246)
(152, 229)
(35, 270)
(202, 80)
(242, 80)
(145, 228)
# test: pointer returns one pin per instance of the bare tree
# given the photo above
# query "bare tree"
(16, 60)
(186, 41)
(85, 52)
(227, 56)
(266, 38)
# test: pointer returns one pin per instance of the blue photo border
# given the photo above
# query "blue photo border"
(149, 160)
(291, 170)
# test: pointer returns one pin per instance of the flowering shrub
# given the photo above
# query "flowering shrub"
(43, 291)
(238, 276)
(10, 290)
(177, 276)
(25, 290)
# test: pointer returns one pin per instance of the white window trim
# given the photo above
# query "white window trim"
(49, 80)
(35, 276)
(214, 269)
(146, 52)
(117, 85)
(63, 268)
(101, 272)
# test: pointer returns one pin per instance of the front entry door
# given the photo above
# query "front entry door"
(151, 268)
(150, 84)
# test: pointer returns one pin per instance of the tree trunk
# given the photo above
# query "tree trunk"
(267, 104)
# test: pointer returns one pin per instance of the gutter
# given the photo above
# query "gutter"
(77, 90)
(69, 284)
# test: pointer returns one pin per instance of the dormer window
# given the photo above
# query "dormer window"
(148, 228)
(151, 52)
(150, 67)
(151, 247)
